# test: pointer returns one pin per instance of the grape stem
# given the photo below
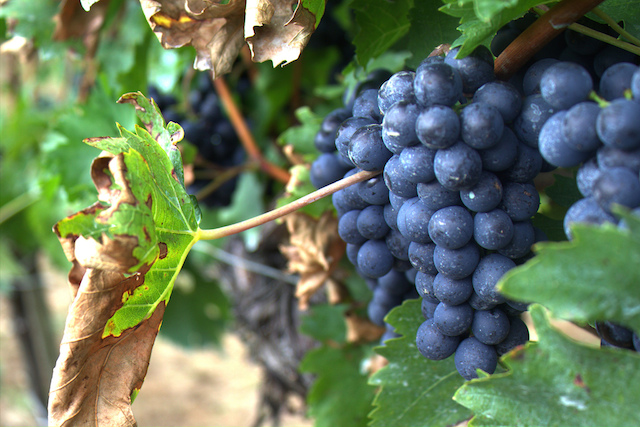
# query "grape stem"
(229, 230)
(246, 138)
(613, 24)
(541, 32)
(219, 180)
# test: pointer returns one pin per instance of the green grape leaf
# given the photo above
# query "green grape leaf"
(340, 395)
(594, 277)
(315, 8)
(381, 23)
(557, 382)
(627, 11)
(301, 137)
(412, 389)
(126, 250)
(429, 29)
(325, 323)
(480, 19)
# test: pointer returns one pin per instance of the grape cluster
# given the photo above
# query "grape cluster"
(212, 133)
(452, 210)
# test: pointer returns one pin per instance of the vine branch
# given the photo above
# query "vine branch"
(229, 230)
(541, 32)
(245, 135)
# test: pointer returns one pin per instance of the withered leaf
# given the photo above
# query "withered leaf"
(314, 251)
(126, 251)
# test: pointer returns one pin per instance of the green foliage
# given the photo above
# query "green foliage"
(593, 277)
(480, 19)
(564, 191)
(163, 214)
(627, 11)
(325, 323)
(412, 389)
(381, 23)
(557, 382)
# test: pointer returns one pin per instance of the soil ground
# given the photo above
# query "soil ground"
(206, 387)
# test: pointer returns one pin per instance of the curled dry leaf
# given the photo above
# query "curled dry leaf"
(126, 251)
(360, 329)
(314, 252)
(275, 30)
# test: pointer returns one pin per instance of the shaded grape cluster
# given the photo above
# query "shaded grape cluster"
(209, 129)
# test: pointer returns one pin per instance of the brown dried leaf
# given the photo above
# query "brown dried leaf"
(215, 30)
(361, 330)
(314, 252)
(72, 21)
(274, 32)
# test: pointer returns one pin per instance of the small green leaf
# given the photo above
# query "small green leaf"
(414, 391)
(593, 277)
(339, 395)
(315, 7)
(382, 23)
(480, 20)
(302, 137)
(557, 382)
(325, 323)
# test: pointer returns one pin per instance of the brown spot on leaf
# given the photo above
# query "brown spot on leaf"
(578, 381)
(163, 250)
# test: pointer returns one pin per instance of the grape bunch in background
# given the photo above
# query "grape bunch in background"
(212, 133)
(452, 211)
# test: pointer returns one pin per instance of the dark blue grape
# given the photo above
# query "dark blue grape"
(610, 157)
(617, 185)
(374, 258)
(475, 69)
(397, 201)
(345, 131)
(520, 200)
(399, 87)
(450, 291)
(481, 125)
(451, 227)
(565, 84)
(348, 228)
(453, 320)
(394, 283)
(615, 334)
(398, 245)
(433, 344)
(535, 113)
(635, 85)
(395, 177)
(492, 230)
(553, 145)
(490, 326)
(391, 216)
(326, 169)
(417, 162)
(502, 155)
(503, 96)
(421, 257)
(520, 245)
(367, 150)
(399, 125)
(579, 127)
(437, 83)
(325, 140)
(471, 354)
(352, 253)
(609, 56)
(413, 220)
(485, 195)
(366, 105)
(490, 269)
(435, 196)
(518, 335)
(526, 167)
(458, 167)
(587, 211)
(424, 287)
(374, 191)
(438, 126)
(618, 125)
(351, 196)
(371, 223)
(616, 79)
(531, 82)
(478, 303)
(457, 263)
(428, 308)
